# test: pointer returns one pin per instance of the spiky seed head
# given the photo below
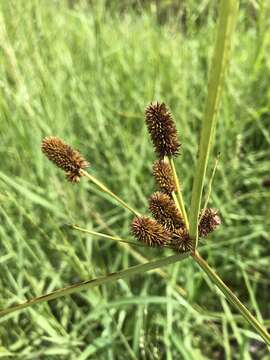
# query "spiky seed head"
(162, 130)
(266, 183)
(63, 156)
(164, 211)
(149, 231)
(210, 220)
(164, 177)
(181, 241)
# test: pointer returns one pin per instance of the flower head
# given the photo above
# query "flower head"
(181, 241)
(210, 220)
(162, 130)
(63, 156)
(164, 211)
(149, 231)
(266, 182)
(164, 177)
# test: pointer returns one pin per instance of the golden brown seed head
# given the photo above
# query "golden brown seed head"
(149, 231)
(210, 220)
(162, 130)
(164, 176)
(181, 241)
(63, 156)
(164, 211)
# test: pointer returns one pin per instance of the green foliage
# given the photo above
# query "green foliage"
(85, 72)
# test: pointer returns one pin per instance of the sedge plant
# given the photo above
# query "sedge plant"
(169, 226)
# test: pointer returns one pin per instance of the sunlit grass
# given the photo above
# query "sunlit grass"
(87, 78)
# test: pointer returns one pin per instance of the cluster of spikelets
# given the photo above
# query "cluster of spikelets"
(166, 227)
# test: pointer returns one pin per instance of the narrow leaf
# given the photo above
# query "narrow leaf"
(71, 289)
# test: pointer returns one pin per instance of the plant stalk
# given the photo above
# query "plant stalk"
(114, 238)
(109, 192)
(232, 298)
(227, 18)
(209, 190)
(180, 201)
(106, 236)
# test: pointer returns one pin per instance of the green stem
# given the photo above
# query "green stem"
(109, 192)
(227, 17)
(175, 199)
(232, 298)
(180, 200)
(115, 238)
(106, 236)
(151, 265)
(209, 190)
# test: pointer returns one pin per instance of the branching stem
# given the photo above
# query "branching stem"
(109, 192)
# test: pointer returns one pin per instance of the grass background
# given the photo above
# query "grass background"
(84, 71)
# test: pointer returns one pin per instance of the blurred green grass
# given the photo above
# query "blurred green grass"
(84, 71)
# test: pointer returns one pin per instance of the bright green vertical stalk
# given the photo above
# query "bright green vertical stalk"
(227, 17)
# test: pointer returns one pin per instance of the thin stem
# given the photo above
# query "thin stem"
(209, 190)
(108, 191)
(227, 17)
(178, 192)
(232, 298)
(175, 199)
(106, 236)
(71, 289)
(115, 238)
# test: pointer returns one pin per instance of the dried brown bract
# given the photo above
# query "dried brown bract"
(164, 211)
(164, 177)
(162, 130)
(149, 231)
(63, 156)
(210, 220)
(181, 241)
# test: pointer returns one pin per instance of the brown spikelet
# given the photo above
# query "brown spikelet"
(63, 156)
(162, 130)
(164, 176)
(181, 241)
(149, 231)
(164, 211)
(266, 183)
(210, 220)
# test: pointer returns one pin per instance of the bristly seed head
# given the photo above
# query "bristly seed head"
(164, 211)
(149, 231)
(210, 220)
(266, 183)
(63, 156)
(181, 241)
(162, 130)
(164, 177)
